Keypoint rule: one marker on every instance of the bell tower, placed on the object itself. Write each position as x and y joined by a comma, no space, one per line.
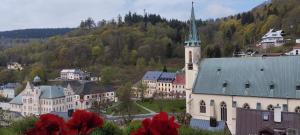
192,58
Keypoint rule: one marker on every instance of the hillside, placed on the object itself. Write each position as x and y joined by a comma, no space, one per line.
34,33
123,49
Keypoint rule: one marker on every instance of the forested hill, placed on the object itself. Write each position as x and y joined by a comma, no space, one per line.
34,33
123,49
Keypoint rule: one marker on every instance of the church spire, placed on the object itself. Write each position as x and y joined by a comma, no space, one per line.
193,36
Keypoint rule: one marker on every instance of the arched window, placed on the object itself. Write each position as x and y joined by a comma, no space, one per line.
297,109
223,108
270,107
246,106
297,52
202,107
190,57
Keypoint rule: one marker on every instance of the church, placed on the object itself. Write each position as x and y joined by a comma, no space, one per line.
251,95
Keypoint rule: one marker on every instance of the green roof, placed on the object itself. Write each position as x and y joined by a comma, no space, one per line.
49,92
193,36
265,76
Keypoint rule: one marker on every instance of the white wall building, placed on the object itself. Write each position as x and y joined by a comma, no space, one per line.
217,87
14,66
272,39
72,74
70,95
295,51
8,90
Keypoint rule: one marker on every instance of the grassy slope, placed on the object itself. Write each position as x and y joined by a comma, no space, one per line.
167,105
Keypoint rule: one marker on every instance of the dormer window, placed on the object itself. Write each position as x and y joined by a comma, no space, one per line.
262,69
225,84
272,86
298,87
247,85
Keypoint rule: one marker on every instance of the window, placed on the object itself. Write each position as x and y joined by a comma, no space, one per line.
298,87
234,104
247,85
223,108
297,52
190,56
246,106
270,108
202,107
272,86
285,108
297,109
224,84
291,131
258,106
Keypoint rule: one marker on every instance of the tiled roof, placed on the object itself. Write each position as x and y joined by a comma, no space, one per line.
50,92
152,75
167,77
17,99
205,124
84,87
180,79
267,77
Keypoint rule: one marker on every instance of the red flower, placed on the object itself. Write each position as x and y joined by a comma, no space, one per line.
159,125
48,124
83,122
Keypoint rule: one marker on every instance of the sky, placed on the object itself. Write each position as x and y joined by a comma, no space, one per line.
24,14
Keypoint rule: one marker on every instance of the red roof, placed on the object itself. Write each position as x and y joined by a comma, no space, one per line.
180,79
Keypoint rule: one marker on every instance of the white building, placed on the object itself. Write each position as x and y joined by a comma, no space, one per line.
166,84
8,90
295,51
72,74
217,87
272,39
36,100
14,66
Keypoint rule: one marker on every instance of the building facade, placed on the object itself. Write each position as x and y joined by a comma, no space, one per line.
216,88
8,90
272,39
163,84
72,74
68,96
14,66
295,51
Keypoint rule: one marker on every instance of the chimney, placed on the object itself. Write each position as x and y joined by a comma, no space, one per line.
277,114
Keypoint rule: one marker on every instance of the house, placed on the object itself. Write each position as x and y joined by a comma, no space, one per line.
64,96
150,80
219,89
295,51
73,74
272,39
87,92
165,84
179,85
8,90
14,66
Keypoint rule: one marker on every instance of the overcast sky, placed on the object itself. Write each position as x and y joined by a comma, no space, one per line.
22,14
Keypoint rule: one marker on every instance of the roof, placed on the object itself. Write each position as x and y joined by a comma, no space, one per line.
70,70
167,77
17,99
205,124
152,75
273,34
259,72
193,36
49,92
180,79
82,87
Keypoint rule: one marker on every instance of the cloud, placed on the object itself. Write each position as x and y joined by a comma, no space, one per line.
20,14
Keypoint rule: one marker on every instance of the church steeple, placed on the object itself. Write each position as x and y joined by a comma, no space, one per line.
193,36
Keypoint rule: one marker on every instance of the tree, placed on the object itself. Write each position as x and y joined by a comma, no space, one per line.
38,70
165,69
126,105
141,89
141,63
